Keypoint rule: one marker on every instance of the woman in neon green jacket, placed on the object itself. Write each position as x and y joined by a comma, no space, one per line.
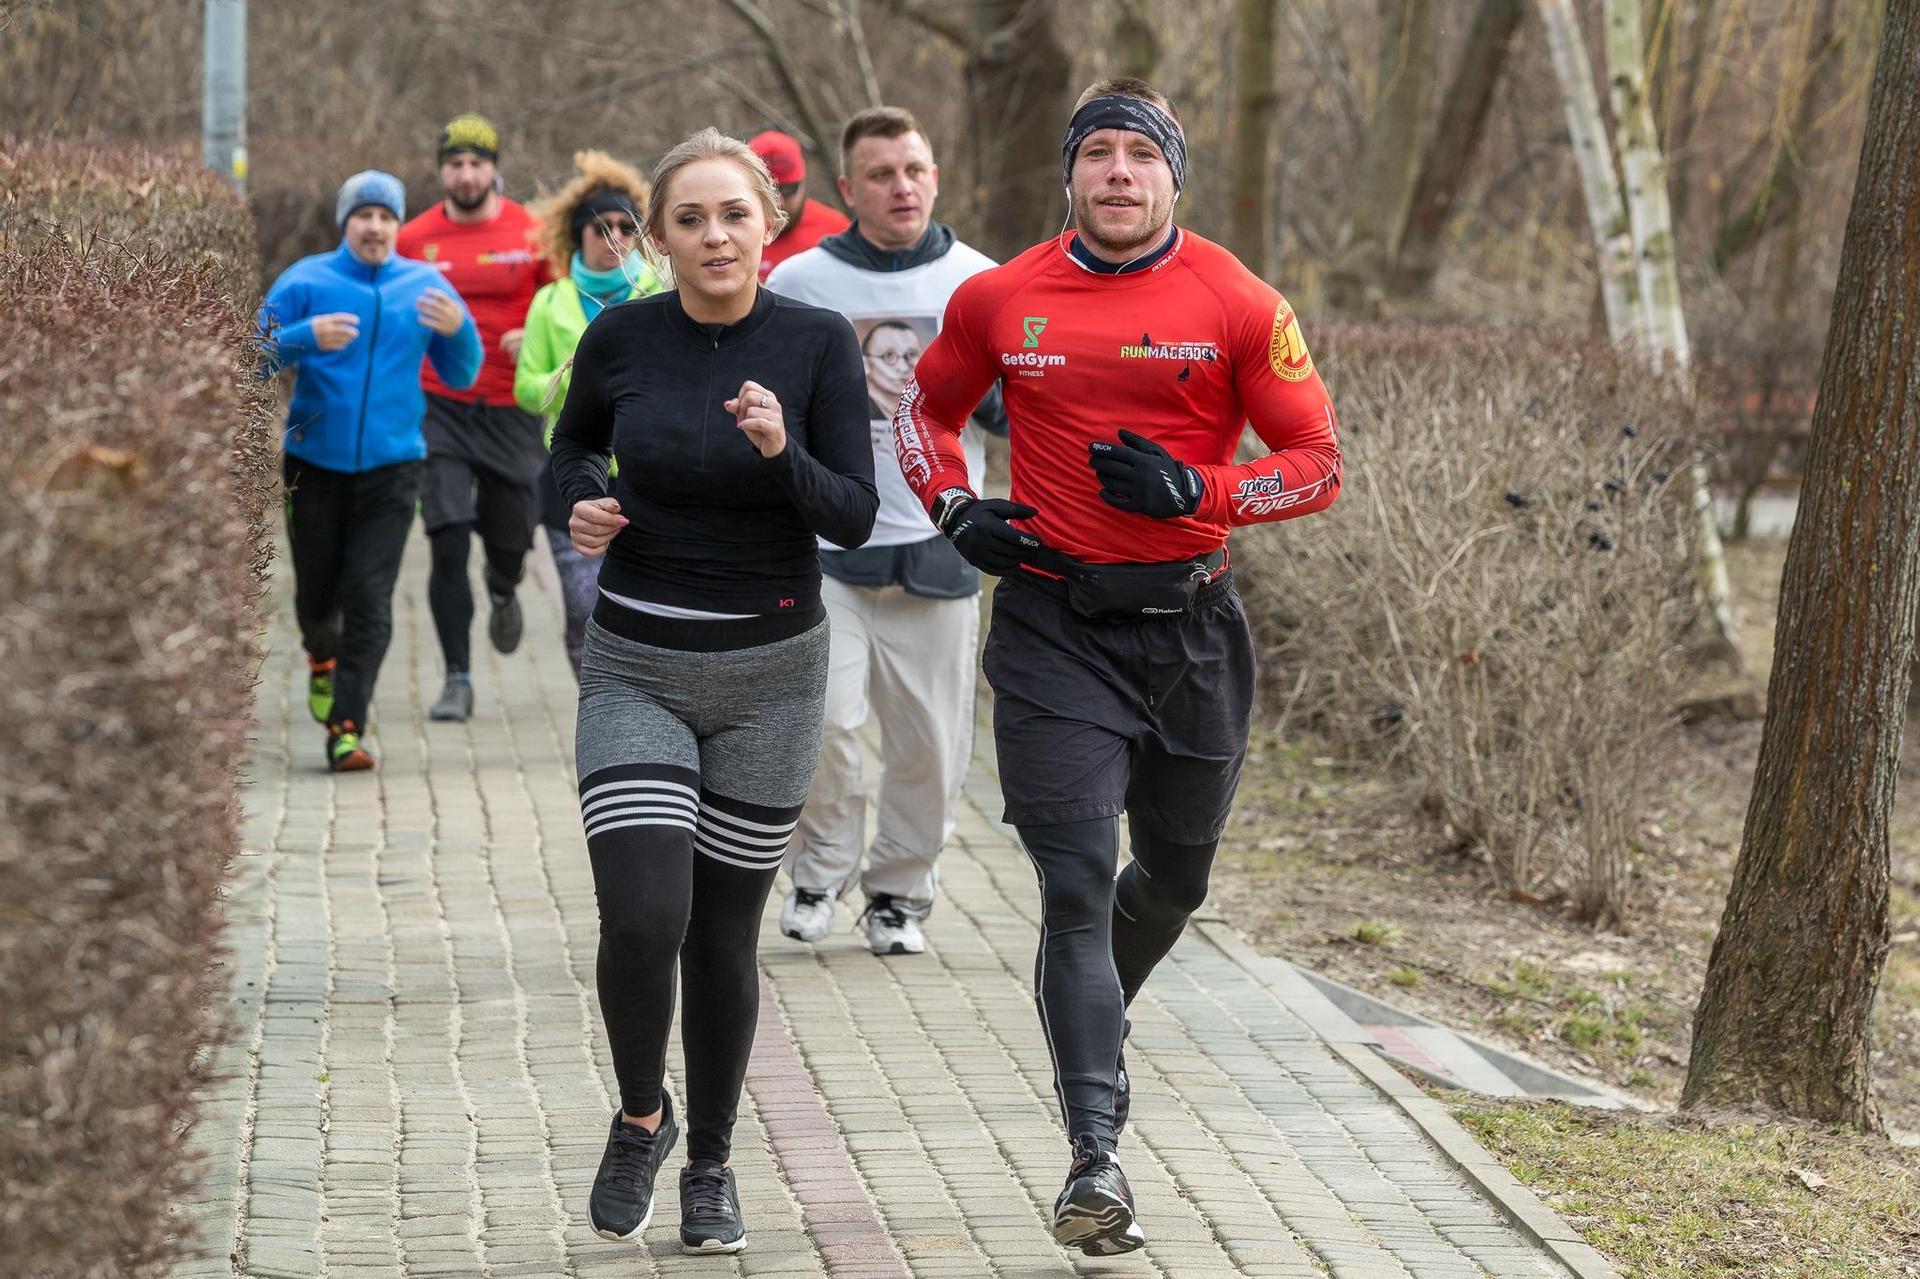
587,232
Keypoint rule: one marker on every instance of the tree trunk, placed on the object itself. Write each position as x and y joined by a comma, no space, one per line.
1463,116
1657,281
1785,1018
1649,218
1378,212
1683,111
1606,210
1019,98
1136,45
1778,199
1251,228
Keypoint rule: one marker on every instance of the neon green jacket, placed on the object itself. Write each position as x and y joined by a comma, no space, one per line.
555,322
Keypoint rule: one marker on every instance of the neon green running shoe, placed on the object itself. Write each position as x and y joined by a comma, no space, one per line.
345,754
320,689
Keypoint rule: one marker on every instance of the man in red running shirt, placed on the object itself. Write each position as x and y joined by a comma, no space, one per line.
1131,354
808,221
483,452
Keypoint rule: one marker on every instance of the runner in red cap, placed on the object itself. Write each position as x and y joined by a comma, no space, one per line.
808,221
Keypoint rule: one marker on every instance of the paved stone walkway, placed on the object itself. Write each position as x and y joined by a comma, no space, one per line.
417,1082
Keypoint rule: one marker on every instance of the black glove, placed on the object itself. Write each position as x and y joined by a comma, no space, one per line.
1138,475
978,529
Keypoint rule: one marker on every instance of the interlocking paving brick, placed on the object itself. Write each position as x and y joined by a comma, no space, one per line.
415,1079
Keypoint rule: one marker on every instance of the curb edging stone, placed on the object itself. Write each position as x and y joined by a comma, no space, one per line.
1519,1205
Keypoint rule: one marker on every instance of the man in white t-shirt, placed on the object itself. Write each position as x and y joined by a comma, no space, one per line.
904,607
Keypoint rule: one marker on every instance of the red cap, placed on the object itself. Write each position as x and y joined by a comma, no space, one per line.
781,154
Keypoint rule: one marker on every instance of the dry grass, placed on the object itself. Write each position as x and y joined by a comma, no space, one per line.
136,477
1666,1199
1318,847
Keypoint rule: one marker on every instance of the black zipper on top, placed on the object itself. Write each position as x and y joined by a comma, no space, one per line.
366,386
706,400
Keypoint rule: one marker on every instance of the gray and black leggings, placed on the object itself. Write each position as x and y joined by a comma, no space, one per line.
693,766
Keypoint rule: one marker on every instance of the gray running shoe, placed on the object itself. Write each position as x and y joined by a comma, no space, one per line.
456,699
504,623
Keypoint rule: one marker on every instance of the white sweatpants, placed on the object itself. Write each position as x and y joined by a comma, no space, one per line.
910,661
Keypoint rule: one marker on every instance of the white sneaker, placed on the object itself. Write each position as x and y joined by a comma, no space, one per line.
807,916
890,930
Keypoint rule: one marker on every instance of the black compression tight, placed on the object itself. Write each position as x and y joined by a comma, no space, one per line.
1099,940
663,903
451,597
1152,899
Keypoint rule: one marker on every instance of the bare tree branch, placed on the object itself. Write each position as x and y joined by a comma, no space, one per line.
931,19
712,63
768,109
776,50
862,55
1331,70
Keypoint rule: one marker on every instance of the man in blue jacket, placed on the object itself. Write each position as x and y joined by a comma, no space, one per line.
356,323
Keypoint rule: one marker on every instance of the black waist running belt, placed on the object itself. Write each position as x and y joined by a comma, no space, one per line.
1115,592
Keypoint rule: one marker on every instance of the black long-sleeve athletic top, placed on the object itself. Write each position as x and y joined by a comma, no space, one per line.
711,524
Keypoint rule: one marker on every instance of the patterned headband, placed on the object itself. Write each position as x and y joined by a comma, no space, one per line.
1136,115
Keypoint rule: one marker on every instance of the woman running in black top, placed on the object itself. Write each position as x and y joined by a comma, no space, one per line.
740,423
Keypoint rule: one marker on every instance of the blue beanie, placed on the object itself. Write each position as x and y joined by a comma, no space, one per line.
370,186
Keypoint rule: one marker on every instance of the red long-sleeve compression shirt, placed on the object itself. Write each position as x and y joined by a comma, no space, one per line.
1186,353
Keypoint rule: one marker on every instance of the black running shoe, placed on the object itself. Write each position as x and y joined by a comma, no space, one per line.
1122,1086
710,1209
621,1204
1094,1212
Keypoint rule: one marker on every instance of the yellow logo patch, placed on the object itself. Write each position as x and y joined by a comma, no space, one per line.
1286,349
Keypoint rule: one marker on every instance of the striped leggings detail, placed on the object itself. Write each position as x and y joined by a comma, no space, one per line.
681,875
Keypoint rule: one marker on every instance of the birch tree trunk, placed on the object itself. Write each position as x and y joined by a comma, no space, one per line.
1649,217
1633,235
1606,209
1657,276
1786,1015
1251,229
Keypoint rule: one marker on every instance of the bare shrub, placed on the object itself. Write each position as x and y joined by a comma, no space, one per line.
1498,602
136,478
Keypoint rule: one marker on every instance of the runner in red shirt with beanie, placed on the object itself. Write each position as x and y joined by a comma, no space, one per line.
1131,353
483,451
808,221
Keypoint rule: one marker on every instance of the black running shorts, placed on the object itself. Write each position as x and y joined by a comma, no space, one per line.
1091,718
483,461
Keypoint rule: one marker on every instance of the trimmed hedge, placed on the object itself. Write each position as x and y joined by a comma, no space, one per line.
137,476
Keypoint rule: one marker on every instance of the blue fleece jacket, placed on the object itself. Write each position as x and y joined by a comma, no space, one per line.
360,407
